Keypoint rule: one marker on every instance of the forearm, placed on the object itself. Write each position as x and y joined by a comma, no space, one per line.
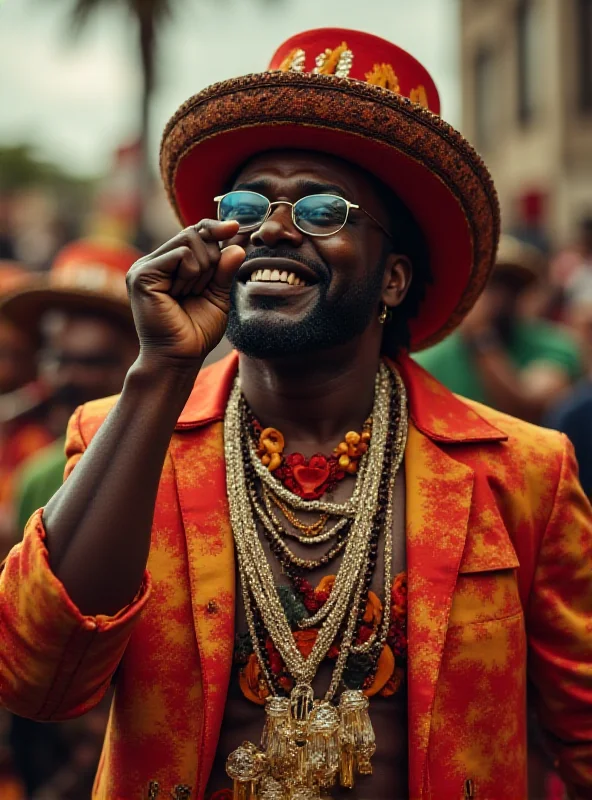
503,386
523,393
98,525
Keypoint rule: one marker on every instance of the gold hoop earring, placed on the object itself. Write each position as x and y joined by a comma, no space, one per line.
385,314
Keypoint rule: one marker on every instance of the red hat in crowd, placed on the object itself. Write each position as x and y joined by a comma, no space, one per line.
13,276
87,275
359,97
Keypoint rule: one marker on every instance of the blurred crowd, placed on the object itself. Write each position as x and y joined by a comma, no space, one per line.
67,337
526,346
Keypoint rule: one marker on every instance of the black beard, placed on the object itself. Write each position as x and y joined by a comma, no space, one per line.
328,324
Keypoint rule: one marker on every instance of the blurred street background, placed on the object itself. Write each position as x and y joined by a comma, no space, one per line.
86,87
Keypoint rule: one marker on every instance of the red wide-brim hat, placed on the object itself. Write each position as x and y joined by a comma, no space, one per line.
361,98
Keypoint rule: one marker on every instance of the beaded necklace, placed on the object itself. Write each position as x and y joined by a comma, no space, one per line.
310,742
309,479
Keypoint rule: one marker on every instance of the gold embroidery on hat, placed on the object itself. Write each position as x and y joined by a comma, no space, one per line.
383,75
334,62
294,61
420,96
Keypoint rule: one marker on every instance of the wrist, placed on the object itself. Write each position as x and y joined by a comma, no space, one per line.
151,374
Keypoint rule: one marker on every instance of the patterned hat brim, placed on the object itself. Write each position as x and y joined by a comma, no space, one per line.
425,161
26,308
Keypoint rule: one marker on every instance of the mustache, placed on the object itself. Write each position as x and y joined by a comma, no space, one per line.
320,269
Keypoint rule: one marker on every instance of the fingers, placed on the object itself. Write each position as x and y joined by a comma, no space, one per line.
156,273
211,230
231,259
185,264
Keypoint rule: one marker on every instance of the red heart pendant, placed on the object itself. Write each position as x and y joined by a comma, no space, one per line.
310,478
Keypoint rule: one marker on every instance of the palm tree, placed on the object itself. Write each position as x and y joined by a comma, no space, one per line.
148,16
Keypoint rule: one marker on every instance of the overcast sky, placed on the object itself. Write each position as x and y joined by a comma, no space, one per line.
77,100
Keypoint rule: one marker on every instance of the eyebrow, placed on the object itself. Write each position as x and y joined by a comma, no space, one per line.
304,187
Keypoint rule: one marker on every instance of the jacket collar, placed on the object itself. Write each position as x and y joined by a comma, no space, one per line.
435,411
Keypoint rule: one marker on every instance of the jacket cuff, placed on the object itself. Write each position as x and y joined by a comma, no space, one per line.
55,662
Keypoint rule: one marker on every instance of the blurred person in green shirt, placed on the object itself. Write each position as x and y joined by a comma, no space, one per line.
500,355
39,480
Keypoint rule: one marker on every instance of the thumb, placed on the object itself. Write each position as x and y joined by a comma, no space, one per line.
231,258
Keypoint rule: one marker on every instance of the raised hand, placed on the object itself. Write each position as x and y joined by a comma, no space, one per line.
180,293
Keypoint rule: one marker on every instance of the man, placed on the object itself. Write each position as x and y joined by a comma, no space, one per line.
501,356
572,265
573,415
22,427
355,581
88,344
80,317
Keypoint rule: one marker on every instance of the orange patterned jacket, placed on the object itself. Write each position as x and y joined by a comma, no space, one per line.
499,545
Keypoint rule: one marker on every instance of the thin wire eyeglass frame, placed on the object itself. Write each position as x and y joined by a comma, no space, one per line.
348,205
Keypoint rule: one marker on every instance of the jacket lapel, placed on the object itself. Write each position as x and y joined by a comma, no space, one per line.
197,452
438,502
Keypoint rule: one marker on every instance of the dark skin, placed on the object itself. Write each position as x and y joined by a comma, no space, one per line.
180,298
525,393
83,358
17,357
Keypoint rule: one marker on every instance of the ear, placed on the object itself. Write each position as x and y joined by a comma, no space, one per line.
398,273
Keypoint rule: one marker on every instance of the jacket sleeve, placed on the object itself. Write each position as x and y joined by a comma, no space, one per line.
55,663
559,627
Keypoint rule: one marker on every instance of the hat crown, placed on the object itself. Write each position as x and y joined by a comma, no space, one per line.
358,56
95,266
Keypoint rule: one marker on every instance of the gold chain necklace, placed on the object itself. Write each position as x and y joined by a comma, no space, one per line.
312,532
307,742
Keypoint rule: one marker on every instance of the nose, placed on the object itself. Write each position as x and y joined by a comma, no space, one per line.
278,228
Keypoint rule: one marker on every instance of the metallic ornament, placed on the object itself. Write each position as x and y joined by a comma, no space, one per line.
307,746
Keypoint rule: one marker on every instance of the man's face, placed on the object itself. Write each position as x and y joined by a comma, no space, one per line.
341,276
17,358
85,358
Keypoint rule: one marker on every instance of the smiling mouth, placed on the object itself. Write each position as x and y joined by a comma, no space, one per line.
276,276
276,273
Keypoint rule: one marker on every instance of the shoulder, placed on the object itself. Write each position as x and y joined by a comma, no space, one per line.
547,331
549,340
529,463
533,476
521,435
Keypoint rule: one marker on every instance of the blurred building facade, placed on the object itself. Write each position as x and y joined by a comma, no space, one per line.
527,89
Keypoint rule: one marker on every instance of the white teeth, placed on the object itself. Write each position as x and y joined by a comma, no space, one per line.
277,277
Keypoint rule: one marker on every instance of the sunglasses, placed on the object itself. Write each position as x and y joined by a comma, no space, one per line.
315,214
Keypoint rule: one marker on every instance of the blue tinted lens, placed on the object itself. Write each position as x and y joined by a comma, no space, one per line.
320,213
246,208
